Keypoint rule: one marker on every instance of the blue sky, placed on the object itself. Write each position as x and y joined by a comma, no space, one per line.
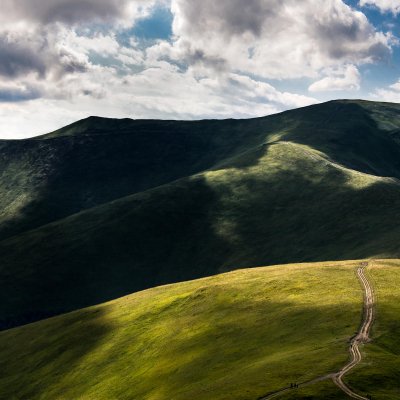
184,59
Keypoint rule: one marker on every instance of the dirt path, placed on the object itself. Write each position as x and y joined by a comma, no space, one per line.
355,354
300,385
361,337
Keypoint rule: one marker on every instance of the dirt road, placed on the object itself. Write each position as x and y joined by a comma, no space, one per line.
361,337
355,354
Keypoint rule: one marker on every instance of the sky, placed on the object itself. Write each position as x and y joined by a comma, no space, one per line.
64,60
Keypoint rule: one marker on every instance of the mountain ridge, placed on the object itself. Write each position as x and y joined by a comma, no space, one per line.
314,184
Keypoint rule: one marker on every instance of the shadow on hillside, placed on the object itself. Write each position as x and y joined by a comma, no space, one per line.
161,236
195,228
57,177
301,214
349,135
208,346
38,357
110,159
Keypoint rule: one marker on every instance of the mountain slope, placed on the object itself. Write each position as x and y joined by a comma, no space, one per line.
239,335
318,183
97,160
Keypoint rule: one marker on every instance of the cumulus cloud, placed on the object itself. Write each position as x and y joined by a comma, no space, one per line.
383,5
37,53
38,37
275,39
347,78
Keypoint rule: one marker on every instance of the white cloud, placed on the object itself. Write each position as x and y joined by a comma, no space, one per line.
275,39
383,5
347,78
390,94
154,93
57,66
38,36
396,86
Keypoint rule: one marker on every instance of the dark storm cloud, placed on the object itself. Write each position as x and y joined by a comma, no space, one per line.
66,11
21,55
17,59
236,16
338,36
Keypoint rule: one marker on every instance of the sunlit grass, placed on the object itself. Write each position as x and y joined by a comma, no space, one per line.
238,336
379,374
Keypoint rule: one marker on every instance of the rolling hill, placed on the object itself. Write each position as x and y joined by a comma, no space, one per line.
104,208
239,335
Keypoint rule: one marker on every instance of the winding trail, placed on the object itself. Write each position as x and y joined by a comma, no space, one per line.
355,354
361,337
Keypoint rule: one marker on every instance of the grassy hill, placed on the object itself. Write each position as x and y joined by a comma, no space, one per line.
238,335
103,208
98,160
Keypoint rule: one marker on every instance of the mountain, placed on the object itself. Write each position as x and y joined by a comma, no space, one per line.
239,335
104,208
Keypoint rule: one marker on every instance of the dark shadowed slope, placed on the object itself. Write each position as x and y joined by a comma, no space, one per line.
97,160
318,183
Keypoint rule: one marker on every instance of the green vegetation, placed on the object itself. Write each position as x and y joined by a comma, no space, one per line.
325,390
239,335
104,208
379,374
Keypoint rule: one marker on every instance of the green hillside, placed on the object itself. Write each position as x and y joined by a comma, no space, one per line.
97,160
104,208
234,336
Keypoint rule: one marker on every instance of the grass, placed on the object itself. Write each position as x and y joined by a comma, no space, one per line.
104,208
379,374
233,336
281,208
325,390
